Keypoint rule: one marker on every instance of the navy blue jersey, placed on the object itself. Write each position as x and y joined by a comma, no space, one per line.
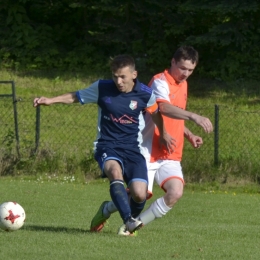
120,115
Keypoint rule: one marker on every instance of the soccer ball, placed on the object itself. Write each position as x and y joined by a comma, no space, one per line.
12,216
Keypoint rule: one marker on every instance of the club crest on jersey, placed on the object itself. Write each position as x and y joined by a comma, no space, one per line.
133,104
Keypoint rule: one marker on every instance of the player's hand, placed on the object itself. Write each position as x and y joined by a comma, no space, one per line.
204,122
167,141
41,101
196,141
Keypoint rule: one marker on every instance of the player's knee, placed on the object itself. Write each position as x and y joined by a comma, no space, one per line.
114,174
172,196
178,194
139,196
138,191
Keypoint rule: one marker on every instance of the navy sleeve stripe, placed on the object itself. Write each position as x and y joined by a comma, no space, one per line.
79,98
146,88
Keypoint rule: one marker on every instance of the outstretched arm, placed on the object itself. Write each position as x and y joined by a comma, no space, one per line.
67,98
177,113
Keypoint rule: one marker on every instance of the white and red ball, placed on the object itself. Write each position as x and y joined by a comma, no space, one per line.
12,216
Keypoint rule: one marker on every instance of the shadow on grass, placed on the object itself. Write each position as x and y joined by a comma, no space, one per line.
55,229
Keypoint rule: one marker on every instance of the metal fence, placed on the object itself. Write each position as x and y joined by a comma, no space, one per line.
69,130
234,145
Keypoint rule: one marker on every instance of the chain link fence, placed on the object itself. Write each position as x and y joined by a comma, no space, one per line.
48,138
232,148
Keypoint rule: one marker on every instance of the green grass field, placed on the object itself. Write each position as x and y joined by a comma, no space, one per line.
206,223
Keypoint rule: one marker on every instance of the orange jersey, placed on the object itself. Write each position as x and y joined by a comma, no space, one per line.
166,90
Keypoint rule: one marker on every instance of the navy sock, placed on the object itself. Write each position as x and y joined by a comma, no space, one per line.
136,207
120,199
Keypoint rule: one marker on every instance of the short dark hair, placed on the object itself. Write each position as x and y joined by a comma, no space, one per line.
186,53
122,61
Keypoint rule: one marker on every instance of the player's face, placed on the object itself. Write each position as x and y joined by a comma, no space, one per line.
182,69
124,79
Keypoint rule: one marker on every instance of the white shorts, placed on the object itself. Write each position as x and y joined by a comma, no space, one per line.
162,171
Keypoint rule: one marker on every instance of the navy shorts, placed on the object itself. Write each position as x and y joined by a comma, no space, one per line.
133,163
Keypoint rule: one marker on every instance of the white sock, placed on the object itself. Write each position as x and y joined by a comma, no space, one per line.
109,209
156,210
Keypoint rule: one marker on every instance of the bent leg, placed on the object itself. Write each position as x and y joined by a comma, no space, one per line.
138,191
164,204
118,194
174,191
169,177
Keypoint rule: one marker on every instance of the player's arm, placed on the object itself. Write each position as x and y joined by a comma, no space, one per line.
165,138
195,140
67,98
177,113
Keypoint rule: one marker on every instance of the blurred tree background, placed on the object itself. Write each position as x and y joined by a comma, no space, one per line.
82,35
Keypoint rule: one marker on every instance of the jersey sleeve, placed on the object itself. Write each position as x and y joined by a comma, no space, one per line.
152,106
161,90
89,94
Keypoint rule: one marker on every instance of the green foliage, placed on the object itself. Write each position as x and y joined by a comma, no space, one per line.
52,163
8,158
226,33
72,35
8,140
38,34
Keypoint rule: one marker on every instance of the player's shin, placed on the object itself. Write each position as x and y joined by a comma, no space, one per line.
136,207
120,199
109,208
156,210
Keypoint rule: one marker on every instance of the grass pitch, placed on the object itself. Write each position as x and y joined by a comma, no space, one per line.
205,224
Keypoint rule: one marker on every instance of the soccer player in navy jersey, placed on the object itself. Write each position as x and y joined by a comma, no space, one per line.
122,103
170,88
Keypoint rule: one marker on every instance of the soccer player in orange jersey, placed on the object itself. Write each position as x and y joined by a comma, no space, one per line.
170,88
